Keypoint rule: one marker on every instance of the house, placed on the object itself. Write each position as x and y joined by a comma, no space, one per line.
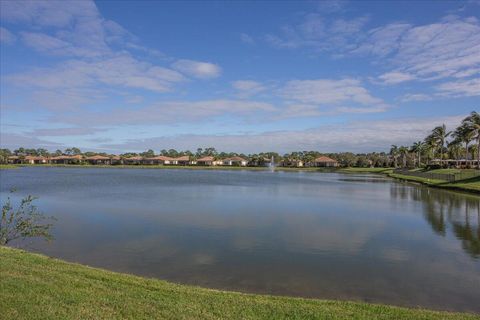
260,162
98,159
234,161
116,160
206,161
295,163
324,161
13,159
158,160
182,161
35,160
66,159
133,160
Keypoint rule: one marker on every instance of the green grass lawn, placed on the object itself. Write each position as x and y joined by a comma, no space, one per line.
470,185
8,166
34,286
452,171
365,170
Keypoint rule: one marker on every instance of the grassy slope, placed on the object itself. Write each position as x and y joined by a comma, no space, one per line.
470,185
34,286
8,166
366,170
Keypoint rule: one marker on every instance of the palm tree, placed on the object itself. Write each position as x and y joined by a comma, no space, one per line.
430,145
417,148
472,123
403,151
394,154
465,135
455,147
440,135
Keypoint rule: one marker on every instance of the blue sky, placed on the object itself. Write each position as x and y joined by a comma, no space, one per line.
237,75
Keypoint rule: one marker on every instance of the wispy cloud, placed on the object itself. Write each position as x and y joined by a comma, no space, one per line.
395,77
416,97
13,141
61,132
450,47
245,38
6,36
460,88
198,69
247,88
172,112
329,92
320,32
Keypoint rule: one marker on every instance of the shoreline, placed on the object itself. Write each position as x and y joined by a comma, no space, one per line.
470,186
34,284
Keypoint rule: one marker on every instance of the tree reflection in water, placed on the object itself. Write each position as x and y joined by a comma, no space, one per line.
446,210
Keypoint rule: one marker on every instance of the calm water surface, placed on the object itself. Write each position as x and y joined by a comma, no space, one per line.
356,237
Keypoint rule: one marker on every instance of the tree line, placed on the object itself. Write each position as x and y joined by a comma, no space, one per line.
461,143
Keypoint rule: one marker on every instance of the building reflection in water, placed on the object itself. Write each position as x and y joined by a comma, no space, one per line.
447,211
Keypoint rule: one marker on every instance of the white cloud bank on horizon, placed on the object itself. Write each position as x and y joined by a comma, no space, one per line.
353,136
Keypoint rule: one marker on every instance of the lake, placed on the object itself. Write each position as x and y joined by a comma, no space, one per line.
323,235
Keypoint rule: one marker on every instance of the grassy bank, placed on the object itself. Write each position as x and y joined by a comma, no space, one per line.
365,170
34,286
471,185
8,166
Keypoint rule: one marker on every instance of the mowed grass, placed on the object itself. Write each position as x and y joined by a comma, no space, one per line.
365,170
33,286
470,185
8,166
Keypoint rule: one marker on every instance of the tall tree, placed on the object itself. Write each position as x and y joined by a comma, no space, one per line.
394,154
472,124
440,134
417,148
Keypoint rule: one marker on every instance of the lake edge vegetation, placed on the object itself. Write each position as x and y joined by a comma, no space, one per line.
35,286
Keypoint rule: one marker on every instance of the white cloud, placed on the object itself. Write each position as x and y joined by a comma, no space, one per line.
460,88
54,13
432,51
62,132
120,70
245,38
247,88
353,136
320,32
416,97
329,92
395,77
14,140
197,69
6,36
171,112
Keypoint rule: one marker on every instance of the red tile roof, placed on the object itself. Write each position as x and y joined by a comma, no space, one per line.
182,158
205,159
324,159
35,158
98,157
234,159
